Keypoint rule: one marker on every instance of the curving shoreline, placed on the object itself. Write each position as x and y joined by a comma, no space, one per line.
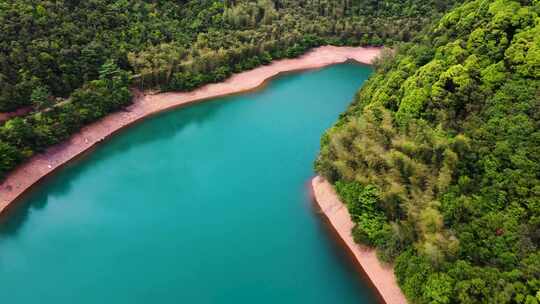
41,165
381,276
30,173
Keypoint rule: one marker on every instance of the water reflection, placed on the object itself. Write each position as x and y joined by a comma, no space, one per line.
147,132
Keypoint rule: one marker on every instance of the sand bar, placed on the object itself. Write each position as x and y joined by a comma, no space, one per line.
381,276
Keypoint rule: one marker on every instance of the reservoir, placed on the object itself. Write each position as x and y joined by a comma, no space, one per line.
203,204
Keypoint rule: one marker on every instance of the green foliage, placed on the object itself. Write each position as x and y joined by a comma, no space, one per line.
371,221
447,130
70,60
412,273
439,288
362,203
62,44
10,156
41,98
20,137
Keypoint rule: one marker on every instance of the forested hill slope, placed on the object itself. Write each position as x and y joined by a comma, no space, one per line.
73,61
57,46
438,158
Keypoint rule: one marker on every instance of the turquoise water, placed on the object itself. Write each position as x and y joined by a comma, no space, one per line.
205,204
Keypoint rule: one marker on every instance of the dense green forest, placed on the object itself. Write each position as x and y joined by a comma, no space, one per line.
438,157
72,62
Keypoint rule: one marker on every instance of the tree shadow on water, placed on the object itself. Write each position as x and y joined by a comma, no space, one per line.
160,127
16,215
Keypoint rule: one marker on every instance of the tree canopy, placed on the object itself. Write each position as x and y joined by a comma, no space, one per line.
445,139
72,62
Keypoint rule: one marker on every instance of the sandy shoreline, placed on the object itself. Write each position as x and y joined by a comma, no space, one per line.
381,276
41,165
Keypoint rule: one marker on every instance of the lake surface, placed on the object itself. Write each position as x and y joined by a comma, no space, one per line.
204,204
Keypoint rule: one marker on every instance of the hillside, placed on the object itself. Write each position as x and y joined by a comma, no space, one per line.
438,157
73,62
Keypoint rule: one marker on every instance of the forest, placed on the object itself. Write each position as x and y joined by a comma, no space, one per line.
438,157
72,62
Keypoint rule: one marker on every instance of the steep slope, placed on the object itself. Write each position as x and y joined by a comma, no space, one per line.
438,157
